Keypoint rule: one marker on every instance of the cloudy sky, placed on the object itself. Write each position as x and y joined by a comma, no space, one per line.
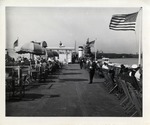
69,24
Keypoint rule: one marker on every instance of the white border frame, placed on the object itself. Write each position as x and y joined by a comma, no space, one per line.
78,120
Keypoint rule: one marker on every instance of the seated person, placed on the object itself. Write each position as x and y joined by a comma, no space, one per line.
105,66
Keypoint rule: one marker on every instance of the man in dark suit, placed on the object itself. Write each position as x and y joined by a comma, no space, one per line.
91,67
81,62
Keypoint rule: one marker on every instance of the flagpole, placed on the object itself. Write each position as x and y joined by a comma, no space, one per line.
95,49
141,38
75,46
140,35
18,41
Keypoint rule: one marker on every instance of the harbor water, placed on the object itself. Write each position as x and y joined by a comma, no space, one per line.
125,61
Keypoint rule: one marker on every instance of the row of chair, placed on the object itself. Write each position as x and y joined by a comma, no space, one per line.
19,77
130,98
14,82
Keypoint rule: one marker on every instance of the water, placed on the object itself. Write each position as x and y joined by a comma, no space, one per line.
126,61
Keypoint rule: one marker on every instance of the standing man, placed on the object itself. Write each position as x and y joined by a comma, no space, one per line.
81,62
91,67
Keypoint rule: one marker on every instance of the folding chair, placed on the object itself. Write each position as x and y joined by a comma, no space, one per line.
129,105
111,86
136,99
120,92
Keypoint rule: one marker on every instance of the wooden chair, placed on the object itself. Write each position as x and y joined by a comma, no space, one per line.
120,93
111,86
136,98
128,103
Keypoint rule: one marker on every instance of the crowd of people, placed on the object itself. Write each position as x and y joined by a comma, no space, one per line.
44,67
131,74
38,68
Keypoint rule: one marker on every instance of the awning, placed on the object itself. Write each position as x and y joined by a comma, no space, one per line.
31,47
55,53
49,53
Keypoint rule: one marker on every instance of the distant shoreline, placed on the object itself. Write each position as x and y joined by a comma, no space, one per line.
115,55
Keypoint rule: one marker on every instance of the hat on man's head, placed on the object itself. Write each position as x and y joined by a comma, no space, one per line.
111,64
134,66
49,59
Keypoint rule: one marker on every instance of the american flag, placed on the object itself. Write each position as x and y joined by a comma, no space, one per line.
16,43
123,22
91,44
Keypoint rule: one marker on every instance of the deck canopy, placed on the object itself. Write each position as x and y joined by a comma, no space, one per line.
31,47
55,53
49,53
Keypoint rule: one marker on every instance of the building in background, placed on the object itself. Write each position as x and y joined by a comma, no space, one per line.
80,51
65,53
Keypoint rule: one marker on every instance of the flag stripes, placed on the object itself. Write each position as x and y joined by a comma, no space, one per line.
122,29
91,44
123,22
16,43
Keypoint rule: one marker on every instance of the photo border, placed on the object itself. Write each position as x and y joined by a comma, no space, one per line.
79,120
